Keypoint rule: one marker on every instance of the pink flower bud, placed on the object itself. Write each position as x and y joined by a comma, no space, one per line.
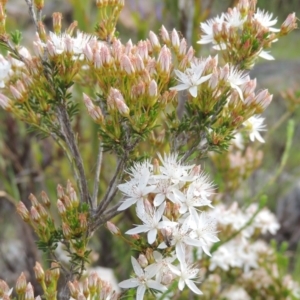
164,34
289,24
182,47
39,272
105,55
88,102
87,51
122,107
51,48
112,228
224,72
128,47
154,40
175,39
60,191
142,49
16,94
73,197
38,49
117,50
34,214
61,207
23,211
29,294
138,63
45,199
263,98
97,60
21,284
153,88
164,60
69,44
5,102
126,64
142,260
66,230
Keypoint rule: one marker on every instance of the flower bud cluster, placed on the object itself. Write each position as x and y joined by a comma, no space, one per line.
74,218
237,165
244,33
168,199
93,287
39,216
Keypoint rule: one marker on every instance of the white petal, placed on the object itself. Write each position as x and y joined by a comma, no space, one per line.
266,55
127,203
152,236
138,229
158,200
193,287
181,284
193,91
140,292
129,283
156,285
136,267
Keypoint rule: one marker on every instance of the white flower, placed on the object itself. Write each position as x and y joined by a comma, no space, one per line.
253,125
5,67
136,190
236,78
80,41
197,194
186,273
151,222
161,265
172,169
191,78
207,29
204,229
143,281
180,237
165,189
234,18
265,19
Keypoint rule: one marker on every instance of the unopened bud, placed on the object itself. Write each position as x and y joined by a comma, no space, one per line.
35,216
33,200
73,197
60,191
164,60
289,24
153,88
154,41
126,64
164,35
113,228
142,260
42,31
29,294
5,102
73,291
85,288
156,169
82,221
93,282
16,94
56,18
23,211
61,207
21,284
175,39
55,271
39,272
39,4
45,199
66,230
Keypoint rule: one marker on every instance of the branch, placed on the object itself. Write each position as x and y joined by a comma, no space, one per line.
69,136
32,13
111,191
97,176
107,215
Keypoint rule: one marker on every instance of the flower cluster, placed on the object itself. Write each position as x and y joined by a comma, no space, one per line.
243,33
171,200
241,252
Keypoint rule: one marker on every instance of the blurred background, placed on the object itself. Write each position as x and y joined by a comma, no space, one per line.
30,165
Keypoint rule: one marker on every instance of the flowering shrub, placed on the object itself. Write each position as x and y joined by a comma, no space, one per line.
132,93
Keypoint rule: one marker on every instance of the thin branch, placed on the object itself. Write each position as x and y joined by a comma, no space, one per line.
107,215
32,13
70,140
108,198
97,176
